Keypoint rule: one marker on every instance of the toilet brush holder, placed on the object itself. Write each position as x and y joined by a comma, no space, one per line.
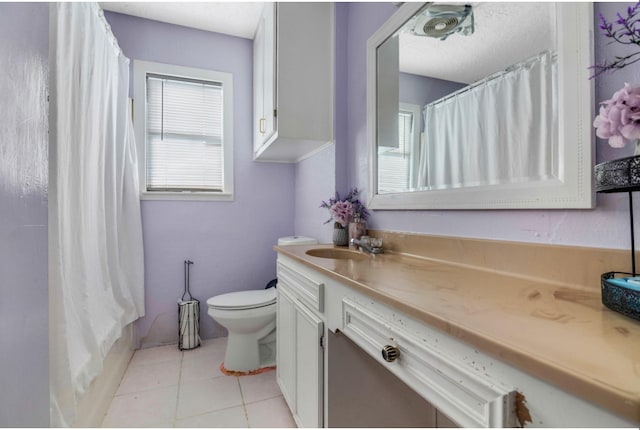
188,316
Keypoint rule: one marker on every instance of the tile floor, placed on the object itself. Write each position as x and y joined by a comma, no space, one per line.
166,387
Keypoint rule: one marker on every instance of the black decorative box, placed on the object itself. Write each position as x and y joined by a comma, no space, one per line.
619,298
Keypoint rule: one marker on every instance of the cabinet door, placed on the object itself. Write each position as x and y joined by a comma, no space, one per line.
285,344
270,90
264,45
258,83
310,368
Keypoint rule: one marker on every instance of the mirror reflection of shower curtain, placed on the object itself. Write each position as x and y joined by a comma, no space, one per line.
96,262
500,130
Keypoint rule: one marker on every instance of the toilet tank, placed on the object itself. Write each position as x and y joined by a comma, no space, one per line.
296,240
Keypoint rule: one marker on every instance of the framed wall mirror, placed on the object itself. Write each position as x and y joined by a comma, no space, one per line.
481,106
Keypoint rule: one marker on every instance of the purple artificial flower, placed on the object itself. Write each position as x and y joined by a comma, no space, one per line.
343,211
626,33
619,118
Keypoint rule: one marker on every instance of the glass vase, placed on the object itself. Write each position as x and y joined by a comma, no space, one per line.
357,229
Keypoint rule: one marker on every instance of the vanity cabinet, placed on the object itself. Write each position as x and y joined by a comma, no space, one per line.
458,384
300,356
309,301
293,81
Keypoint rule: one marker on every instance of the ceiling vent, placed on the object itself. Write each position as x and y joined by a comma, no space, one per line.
441,21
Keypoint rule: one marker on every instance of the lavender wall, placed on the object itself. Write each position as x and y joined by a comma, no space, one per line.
230,242
606,226
362,20
340,125
320,176
421,90
315,182
24,308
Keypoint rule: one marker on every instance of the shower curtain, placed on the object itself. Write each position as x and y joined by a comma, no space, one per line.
500,130
95,247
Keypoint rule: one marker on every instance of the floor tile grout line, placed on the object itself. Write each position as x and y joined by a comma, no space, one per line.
244,405
262,400
163,360
136,366
178,391
117,388
209,412
144,390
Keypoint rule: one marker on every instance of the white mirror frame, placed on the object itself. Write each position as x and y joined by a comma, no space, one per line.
574,189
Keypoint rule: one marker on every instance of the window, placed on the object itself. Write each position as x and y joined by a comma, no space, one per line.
398,166
183,120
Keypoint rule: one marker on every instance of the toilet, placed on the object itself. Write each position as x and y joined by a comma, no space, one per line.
250,319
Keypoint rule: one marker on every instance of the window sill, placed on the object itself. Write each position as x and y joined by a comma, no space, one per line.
187,195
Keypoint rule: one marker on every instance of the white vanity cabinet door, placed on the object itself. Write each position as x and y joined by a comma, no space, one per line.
300,357
309,369
286,346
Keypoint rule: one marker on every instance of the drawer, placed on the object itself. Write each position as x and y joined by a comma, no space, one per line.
306,289
452,387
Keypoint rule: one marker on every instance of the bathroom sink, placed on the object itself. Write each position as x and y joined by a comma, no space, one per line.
336,254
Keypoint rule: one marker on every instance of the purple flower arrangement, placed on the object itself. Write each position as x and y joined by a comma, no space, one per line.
347,209
618,120
619,117
626,32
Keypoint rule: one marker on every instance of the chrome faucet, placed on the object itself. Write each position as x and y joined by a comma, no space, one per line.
367,245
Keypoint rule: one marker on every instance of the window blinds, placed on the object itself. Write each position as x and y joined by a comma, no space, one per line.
394,163
184,135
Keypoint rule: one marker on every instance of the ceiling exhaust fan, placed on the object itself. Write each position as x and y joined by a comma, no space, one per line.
441,21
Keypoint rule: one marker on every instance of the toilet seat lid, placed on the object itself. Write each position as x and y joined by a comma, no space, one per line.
243,299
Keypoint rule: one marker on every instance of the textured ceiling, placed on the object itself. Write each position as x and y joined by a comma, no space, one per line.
505,33
234,18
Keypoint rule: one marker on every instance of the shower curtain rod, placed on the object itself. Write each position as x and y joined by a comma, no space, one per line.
554,57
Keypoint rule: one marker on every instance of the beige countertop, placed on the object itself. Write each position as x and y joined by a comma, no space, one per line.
558,333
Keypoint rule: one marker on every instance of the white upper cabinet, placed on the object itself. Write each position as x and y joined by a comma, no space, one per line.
264,77
293,81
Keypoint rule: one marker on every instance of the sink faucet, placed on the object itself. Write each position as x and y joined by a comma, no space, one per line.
366,246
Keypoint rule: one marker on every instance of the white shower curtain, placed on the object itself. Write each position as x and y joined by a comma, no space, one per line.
96,256
501,130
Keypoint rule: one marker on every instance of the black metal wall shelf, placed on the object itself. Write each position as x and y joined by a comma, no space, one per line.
620,176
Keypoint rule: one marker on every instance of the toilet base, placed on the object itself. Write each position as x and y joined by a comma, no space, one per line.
247,352
251,342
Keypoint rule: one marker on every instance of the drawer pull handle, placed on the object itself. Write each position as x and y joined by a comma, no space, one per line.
390,353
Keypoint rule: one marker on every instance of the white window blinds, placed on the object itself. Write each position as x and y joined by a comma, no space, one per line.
184,135
394,164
